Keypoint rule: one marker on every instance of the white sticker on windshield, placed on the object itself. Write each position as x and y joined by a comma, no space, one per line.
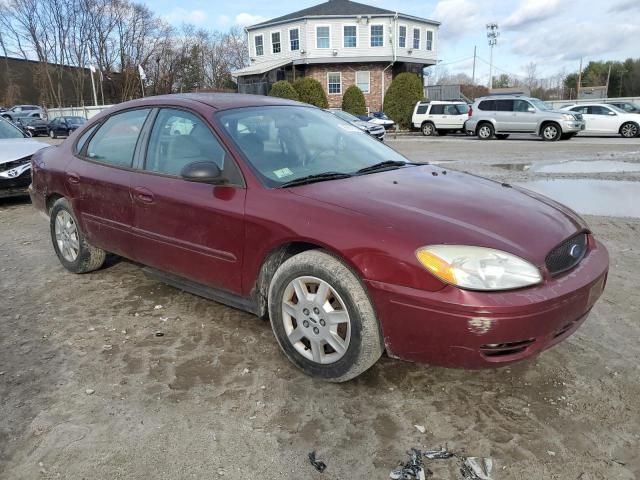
348,128
283,172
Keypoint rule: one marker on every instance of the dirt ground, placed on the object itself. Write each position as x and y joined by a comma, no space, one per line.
88,390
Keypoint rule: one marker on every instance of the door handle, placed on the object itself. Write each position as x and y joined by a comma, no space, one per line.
142,195
73,178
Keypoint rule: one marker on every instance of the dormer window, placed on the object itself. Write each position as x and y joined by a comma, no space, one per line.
323,37
377,35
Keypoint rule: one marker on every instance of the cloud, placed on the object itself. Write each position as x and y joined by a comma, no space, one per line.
533,12
246,19
223,20
458,17
181,15
625,6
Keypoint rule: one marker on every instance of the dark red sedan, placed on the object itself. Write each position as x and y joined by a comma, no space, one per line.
288,212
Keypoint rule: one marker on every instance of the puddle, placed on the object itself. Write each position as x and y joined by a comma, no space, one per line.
596,166
592,197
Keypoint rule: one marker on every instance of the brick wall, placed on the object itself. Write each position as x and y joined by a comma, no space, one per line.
348,71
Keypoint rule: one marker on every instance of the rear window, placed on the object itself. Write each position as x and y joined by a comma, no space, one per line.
422,109
462,109
487,105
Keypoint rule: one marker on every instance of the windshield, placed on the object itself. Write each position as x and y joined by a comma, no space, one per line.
9,131
616,109
283,143
539,104
75,119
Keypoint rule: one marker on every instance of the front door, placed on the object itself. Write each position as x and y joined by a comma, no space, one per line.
194,230
525,118
604,119
97,181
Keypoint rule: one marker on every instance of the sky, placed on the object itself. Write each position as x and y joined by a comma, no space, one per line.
553,34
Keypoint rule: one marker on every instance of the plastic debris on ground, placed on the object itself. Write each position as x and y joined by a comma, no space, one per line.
471,468
318,465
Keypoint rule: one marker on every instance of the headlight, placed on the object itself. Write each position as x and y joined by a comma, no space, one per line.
478,268
567,116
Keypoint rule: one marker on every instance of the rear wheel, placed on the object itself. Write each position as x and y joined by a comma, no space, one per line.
629,130
551,132
428,129
485,131
502,136
322,317
72,249
52,134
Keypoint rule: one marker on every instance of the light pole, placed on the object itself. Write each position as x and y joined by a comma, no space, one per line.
492,37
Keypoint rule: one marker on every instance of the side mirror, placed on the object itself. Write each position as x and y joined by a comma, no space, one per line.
202,172
613,114
531,110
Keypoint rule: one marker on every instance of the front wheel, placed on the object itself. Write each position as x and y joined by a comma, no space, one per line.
322,317
629,130
52,134
74,252
551,132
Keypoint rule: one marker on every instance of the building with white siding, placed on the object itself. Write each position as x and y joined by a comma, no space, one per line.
339,43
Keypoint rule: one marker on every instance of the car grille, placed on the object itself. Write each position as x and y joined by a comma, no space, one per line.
505,349
14,163
567,255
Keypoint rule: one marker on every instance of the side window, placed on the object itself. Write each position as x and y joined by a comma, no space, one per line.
504,105
487,105
437,110
521,106
422,109
599,110
179,138
450,110
115,141
580,109
83,139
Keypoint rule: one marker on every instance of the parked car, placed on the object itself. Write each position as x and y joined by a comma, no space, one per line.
21,111
282,210
34,126
626,106
380,118
499,116
16,150
64,126
440,117
376,131
607,119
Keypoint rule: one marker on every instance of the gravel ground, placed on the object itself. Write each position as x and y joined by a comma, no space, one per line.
89,391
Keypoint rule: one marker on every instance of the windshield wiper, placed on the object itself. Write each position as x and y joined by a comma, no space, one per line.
320,177
387,164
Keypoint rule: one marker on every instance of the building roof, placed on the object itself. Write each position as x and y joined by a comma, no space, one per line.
335,8
261,67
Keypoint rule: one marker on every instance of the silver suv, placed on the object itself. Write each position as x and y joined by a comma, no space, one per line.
499,116
24,111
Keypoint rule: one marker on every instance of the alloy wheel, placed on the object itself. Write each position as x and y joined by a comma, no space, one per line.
316,320
629,130
484,132
550,132
67,236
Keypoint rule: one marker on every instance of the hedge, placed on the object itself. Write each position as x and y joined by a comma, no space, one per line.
284,89
311,91
353,101
401,98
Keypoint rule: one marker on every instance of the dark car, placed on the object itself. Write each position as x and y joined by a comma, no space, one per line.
34,126
63,126
280,209
376,131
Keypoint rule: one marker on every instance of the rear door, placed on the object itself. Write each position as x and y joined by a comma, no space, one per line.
505,118
194,230
437,116
98,180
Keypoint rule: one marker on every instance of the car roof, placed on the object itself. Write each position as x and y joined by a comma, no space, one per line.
218,101
440,102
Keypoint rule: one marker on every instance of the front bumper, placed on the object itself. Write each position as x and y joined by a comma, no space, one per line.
461,328
571,126
14,181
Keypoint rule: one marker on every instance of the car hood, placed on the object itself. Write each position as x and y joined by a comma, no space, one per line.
366,125
15,148
434,207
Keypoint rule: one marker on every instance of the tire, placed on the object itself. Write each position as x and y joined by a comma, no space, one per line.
629,130
551,132
52,135
502,136
358,333
87,258
428,129
485,131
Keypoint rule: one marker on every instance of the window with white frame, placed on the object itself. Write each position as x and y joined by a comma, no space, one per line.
276,46
259,44
416,39
294,39
363,81
350,36
429,40
323,37
377,35
334,83
402,36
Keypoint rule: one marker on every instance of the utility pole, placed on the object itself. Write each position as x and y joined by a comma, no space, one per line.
92,70
473,76
492,37
579,79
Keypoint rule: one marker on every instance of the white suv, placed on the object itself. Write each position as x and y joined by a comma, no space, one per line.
440,117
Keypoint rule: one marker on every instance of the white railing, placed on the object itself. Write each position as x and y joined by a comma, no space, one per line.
86,112
561,103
